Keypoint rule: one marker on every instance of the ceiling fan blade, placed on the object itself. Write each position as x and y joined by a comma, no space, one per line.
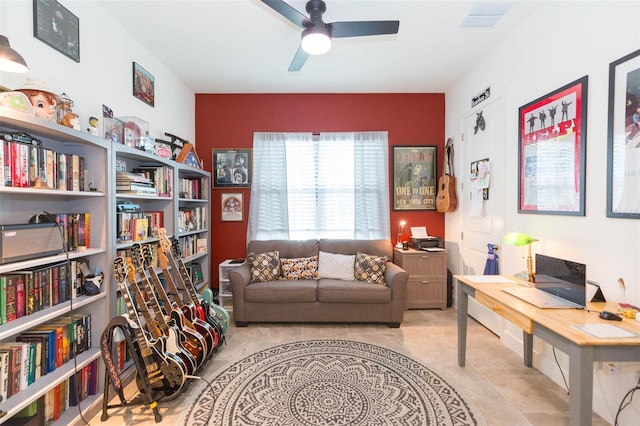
363,28
288,12
299,59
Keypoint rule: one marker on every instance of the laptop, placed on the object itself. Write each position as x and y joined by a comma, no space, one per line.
559,284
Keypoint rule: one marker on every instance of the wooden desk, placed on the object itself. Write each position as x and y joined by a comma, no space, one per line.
555,327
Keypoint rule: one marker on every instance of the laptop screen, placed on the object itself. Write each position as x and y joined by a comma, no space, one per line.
562,278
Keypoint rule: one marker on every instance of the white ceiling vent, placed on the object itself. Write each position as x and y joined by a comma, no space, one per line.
485,15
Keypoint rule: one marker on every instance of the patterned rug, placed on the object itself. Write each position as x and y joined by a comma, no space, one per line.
328,382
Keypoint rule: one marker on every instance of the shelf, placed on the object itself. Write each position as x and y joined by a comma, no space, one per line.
30,192
25,264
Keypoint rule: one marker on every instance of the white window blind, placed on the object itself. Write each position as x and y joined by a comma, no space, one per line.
333,187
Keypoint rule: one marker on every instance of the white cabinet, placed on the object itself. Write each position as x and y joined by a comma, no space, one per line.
225,294
17,206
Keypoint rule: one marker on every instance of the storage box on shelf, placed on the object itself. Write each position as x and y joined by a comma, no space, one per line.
41,289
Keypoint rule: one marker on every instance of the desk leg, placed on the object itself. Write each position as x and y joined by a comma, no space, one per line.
580,385
463,302
527,340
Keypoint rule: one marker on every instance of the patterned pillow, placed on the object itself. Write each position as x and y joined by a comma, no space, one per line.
264,266
370,268
300,268
336,266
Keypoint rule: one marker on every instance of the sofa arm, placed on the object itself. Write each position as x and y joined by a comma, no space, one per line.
239,278
396,278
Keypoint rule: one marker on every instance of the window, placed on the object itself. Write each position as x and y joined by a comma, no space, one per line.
335,186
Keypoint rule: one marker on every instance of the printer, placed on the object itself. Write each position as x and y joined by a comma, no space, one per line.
426,242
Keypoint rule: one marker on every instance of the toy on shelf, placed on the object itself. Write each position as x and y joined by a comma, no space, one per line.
44,101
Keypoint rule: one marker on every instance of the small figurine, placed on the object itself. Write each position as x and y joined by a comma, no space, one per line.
71,120
93,126
43,100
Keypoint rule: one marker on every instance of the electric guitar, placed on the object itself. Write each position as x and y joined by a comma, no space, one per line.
162,373
190,339
157,325
446,200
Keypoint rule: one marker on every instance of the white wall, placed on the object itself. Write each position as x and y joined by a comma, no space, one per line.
561,42
104,73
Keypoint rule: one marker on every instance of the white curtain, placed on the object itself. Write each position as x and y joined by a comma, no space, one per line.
334,187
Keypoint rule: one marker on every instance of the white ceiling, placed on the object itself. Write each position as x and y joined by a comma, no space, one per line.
244,46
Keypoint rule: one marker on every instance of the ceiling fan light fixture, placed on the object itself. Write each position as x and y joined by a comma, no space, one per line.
316,41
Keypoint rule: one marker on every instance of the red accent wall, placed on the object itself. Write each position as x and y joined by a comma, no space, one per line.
229,120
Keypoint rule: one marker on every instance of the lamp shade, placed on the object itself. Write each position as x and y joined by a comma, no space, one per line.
316,40
518,239
10,60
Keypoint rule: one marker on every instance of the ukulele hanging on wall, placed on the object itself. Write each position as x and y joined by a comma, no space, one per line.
446,200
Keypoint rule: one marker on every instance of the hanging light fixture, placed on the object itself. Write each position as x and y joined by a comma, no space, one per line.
10,60
316,40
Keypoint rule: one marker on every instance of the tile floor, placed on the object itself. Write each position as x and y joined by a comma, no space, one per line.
495,379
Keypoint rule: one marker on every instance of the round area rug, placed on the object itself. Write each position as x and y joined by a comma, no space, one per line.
328,382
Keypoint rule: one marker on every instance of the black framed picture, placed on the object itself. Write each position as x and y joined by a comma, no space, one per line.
231,168
143,85
623,148
56,26
414,177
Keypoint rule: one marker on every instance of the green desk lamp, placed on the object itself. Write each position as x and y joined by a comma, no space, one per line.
520,239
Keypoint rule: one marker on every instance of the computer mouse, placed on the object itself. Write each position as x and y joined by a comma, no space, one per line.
609,316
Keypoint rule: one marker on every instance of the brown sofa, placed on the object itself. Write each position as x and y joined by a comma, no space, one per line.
323,299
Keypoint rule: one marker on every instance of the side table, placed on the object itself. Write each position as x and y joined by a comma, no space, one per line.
225,293
427,285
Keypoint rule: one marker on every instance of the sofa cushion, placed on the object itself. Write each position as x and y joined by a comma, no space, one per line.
338,266
264,266
282,291
341,291
299,268
370,268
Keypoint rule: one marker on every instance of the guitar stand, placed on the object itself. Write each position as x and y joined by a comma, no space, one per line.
147,395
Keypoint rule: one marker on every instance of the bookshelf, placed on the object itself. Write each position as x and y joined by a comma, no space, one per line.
17,206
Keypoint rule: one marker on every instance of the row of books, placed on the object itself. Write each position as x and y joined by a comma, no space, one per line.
69,393
161,176
77,230
28,291
192,244
191,188
138,226
134,183
24,165
192,218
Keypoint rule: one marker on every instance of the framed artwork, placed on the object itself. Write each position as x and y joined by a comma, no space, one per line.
414,178
143,85
623,145
231,208
232,168
56,26
552,134
189,156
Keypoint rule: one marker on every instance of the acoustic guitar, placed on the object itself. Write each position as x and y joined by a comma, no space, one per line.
446,200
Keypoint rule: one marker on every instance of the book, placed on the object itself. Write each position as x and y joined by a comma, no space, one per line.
4,375
141,229
62,171
11,297
3,299
15,364
75,172
42,342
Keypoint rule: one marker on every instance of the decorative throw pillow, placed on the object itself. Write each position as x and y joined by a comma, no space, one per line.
300,268
336,266
264,266
370,268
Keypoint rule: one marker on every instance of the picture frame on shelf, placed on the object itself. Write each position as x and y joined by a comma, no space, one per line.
56,26
623,137
189,156
143,85
552,135
231,207
232,168
414,178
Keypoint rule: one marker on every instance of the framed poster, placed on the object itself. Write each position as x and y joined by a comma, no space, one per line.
231,168
54,25
414,178
143,85
552,134
231,209
623,146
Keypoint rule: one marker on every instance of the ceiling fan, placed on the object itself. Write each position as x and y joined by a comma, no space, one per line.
316,37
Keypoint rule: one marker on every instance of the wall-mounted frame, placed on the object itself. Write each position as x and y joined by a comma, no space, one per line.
189,156
143,85
231,207
232,168
623,147
414,178
55,25
552,134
